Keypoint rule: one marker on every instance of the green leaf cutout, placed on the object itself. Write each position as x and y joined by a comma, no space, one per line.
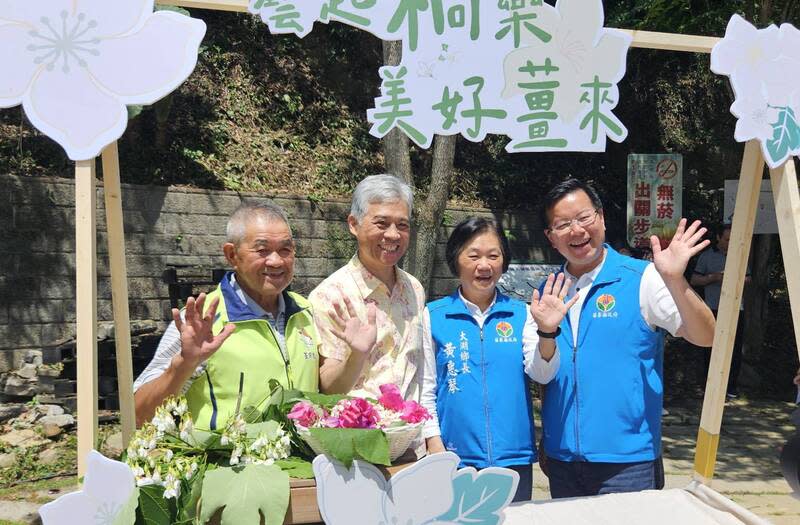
479,500
347,444
127,514
785,136
269,428
243,492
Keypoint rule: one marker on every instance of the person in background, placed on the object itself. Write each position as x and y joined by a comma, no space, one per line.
708,273
481,349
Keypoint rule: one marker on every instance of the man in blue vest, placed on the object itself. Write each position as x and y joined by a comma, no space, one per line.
602,411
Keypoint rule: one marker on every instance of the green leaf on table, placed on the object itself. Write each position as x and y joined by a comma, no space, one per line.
127,514
243,492
190,494
347,444
153,508
297,468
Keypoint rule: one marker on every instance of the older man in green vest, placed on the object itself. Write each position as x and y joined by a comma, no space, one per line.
224,347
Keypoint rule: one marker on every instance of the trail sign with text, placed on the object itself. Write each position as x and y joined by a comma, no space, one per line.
655,183
544,76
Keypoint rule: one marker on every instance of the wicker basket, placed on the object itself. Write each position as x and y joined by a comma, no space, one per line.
399,438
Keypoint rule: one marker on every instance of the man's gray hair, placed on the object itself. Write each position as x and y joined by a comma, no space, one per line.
377,189
249,211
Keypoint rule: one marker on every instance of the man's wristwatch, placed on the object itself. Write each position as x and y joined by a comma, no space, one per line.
549,335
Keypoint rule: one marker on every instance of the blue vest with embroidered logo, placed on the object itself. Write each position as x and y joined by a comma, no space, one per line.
604,404
482,393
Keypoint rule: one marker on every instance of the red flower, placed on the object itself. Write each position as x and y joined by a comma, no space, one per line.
413,412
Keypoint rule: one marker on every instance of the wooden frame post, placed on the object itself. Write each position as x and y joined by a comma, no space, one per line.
787,210
744,217
86,307
119,289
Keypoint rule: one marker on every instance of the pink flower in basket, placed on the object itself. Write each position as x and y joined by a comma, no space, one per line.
304,413
391,398
358,413
413,412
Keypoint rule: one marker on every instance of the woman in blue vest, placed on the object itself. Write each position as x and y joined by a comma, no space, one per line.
481,348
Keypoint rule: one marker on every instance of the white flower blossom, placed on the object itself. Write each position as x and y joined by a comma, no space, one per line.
75,64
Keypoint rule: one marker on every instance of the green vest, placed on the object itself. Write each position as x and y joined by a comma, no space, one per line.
252,356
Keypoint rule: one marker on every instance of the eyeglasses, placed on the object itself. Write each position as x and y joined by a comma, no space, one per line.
584,220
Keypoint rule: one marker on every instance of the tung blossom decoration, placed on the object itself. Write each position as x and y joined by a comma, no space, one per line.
763,66
109,496
74,65
430,492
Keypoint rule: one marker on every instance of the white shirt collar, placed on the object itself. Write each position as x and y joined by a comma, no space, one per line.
474,309
587,278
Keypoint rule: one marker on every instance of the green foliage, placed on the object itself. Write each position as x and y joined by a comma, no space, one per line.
243,493
153,509
297,468
347,444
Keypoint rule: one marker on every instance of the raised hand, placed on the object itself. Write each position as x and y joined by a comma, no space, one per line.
198,343
349,328
686,243
549,308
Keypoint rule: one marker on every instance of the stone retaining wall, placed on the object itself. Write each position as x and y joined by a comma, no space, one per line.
165,227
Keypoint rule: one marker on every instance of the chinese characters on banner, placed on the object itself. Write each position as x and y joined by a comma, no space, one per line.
544,76
655,184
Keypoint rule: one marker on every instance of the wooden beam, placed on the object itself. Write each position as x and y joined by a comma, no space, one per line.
119,289
671,41
216,5
86,307
642,39
744,217
787,209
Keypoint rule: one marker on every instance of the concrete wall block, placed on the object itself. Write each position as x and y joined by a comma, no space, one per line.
210,245
442,287
20,288
148,309
185,223
26,312
41,192
24,241
20,336
11,359
3,312
58,288
312,229
44,265
53,332
316,267
51,219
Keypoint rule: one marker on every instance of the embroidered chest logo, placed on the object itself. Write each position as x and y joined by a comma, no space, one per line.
505,333
605,304
453,370
308,341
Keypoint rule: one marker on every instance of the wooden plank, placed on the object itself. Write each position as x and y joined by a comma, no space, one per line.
744,217
642,39
112,193
787,209
86,308
303,506
217,5
671,41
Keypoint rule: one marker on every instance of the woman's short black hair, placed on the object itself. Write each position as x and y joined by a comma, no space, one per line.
468,229
564,188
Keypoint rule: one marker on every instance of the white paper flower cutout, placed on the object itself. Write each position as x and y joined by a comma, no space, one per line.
764,70
109,496
414,496
75,64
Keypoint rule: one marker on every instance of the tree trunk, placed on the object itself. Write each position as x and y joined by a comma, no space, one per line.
396,152
430,212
